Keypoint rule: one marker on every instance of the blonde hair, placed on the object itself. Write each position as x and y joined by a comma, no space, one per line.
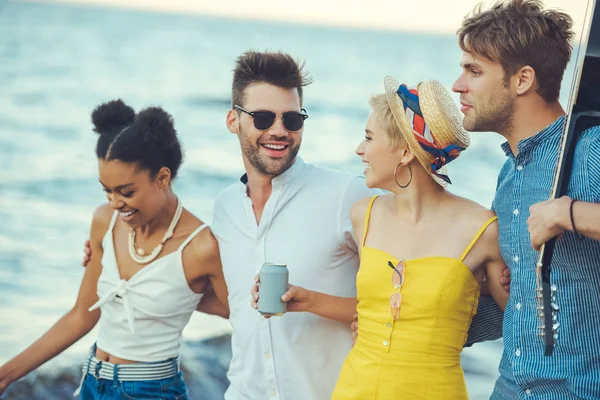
384,116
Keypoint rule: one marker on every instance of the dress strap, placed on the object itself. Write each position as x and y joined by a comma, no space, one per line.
367,217
192,235
113,221
477,236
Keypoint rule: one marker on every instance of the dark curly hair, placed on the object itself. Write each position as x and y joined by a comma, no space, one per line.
147,139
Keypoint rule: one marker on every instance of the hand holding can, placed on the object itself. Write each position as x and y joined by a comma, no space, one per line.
274,281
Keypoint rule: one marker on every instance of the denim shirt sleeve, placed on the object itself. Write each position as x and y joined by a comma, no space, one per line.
592,159
500,177
487,323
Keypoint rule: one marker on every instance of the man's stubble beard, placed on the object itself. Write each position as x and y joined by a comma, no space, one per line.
263,164
496,117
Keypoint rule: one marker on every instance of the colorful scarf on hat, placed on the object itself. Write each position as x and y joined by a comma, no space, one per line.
410,101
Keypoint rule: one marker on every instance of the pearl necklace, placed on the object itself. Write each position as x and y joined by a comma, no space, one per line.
138,255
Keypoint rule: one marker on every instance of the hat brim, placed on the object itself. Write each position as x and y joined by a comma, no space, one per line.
391,86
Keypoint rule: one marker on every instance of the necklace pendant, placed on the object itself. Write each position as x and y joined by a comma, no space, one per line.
139,255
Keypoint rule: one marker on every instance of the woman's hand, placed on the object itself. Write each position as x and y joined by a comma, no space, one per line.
354,328
4,382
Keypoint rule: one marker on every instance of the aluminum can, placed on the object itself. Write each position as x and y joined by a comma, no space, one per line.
273,284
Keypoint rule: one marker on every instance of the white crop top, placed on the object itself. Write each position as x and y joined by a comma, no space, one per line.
142,318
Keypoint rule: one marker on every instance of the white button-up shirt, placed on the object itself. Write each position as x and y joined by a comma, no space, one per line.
305,225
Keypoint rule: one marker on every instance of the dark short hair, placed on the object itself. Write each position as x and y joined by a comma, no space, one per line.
147,139
516,33
276,68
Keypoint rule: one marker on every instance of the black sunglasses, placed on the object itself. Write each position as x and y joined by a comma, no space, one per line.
263,120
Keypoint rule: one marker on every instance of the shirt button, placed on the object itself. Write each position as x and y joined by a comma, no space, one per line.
528,392
516,258
389,324
385,342
273,393
518,306
518,353
516,211
519,168
267,355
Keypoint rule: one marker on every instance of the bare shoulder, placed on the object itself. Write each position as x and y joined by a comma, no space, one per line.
359,210
204,243
491,232
475,212
103,214
479,216
205,251
474,216
101,220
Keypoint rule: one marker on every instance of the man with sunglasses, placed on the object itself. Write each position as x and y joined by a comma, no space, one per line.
287,211
263,120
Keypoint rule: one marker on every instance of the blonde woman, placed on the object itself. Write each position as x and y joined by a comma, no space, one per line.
424,252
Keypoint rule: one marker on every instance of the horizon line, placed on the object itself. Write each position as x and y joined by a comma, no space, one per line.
180,9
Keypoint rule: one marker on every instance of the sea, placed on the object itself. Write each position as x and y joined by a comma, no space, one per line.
59,61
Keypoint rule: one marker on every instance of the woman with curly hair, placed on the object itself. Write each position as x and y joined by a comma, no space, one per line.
151,262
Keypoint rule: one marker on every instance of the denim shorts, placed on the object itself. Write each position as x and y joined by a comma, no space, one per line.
142,381
107,389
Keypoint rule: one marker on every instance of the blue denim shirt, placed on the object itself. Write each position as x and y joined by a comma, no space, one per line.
573,372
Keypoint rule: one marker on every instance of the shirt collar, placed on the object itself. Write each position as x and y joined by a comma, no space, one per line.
528,144
287,176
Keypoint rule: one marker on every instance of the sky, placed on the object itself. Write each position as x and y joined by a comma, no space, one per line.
435,16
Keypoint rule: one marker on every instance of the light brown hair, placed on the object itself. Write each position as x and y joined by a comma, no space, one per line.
517,33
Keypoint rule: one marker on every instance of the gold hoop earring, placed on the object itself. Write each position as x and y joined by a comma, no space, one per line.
396,178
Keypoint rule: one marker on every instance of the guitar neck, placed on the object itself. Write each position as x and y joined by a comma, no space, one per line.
583,112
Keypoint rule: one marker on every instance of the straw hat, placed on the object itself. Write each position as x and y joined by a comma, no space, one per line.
444,135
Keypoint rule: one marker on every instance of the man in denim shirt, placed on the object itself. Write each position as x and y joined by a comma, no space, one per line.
514,57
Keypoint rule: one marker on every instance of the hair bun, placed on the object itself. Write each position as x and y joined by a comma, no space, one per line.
156,127
111,116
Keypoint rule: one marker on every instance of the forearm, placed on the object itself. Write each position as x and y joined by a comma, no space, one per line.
341,309
494,270
212,305
68,330
499,295
587,219
487,323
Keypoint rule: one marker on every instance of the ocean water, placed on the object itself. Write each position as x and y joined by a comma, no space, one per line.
57,62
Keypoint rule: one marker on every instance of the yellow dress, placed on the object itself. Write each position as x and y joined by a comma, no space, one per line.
417,356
